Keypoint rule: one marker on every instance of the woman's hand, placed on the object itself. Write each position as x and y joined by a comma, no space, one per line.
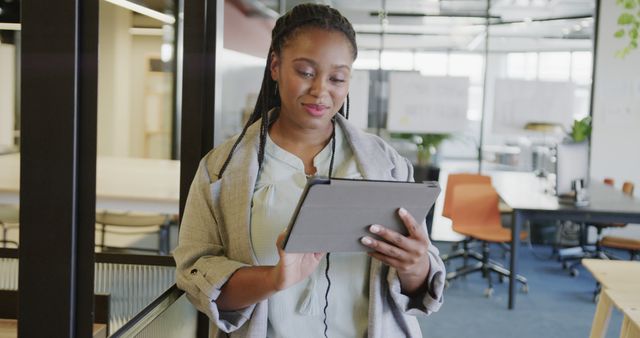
292,268
409,255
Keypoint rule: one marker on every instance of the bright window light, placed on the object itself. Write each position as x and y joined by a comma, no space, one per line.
432,64
581,67
522,65
555,66
392,60
468,65
367,59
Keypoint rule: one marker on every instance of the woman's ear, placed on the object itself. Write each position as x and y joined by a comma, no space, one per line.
274,66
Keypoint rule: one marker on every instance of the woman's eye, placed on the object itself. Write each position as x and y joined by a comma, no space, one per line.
337,80
306,74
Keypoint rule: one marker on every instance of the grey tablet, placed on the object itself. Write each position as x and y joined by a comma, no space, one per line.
333,214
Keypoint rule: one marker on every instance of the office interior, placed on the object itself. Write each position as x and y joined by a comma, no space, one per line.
482,87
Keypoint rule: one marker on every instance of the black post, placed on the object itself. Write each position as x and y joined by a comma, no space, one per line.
57,167
198,88
201,36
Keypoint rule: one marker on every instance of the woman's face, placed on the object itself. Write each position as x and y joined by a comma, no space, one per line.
313,72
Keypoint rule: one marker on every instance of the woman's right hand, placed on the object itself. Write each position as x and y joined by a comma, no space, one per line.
293,267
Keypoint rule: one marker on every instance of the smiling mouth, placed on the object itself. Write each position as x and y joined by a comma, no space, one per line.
315,109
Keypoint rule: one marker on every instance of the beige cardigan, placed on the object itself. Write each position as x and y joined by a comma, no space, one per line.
215,241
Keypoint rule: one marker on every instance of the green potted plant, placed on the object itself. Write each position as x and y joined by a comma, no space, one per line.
580,130
427,145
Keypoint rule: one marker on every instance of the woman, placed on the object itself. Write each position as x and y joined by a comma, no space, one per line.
245,190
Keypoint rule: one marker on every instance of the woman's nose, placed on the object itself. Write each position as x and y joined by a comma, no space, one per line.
318,87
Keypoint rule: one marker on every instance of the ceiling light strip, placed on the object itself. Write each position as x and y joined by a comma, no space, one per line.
10,26
168,19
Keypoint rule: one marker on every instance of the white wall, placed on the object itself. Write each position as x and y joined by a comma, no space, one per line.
616,110
7,92
114,67
143,47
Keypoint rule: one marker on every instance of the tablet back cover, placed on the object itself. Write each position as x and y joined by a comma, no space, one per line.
333,217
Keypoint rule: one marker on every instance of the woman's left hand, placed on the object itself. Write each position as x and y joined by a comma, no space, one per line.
409,255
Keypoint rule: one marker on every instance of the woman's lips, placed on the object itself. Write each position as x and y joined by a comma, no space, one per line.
315,109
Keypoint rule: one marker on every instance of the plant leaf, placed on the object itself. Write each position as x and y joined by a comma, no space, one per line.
619,33
633,44
625,19
633,34
629,4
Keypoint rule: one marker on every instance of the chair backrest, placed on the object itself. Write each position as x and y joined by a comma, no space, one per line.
130,219
475,205
627,188
455,179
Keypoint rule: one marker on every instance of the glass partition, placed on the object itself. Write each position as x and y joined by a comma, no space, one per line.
9,122
137,191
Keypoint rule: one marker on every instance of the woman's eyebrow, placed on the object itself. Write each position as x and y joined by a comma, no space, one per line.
315,64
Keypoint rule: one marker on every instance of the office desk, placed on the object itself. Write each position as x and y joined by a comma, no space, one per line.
524,193
124,184
620,281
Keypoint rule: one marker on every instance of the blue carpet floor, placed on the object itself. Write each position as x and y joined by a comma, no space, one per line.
557,304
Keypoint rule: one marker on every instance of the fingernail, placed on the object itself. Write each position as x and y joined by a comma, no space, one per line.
366,240
374,228
402,211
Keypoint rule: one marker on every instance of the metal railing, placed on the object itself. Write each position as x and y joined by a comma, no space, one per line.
132,281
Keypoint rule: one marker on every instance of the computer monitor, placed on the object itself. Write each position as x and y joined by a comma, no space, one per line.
572,163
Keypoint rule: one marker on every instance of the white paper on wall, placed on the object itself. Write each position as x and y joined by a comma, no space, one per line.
427,104
518,102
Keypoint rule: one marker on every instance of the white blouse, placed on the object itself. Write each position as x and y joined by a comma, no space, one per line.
298,310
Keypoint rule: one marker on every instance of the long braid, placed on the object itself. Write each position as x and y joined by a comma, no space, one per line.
301,16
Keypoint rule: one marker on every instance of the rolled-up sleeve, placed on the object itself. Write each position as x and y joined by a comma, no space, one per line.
202,268
432,297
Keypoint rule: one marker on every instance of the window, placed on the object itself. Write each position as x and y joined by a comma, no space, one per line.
367,59
392,60
432,64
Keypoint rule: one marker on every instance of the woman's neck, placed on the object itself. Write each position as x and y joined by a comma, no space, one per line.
304,143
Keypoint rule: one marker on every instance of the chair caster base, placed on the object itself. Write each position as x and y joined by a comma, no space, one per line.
488,292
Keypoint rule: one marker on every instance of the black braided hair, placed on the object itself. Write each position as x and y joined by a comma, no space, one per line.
287,26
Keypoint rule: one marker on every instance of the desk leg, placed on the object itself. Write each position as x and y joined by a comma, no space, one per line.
626,326
602,316
516,226
634,329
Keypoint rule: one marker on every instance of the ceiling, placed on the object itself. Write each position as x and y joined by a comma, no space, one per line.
461,24
444,25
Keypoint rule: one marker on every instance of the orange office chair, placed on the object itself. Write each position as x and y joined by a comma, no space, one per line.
632,245
453,181
474,210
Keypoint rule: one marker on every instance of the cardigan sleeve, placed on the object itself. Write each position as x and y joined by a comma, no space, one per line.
431,300
202,268
428,302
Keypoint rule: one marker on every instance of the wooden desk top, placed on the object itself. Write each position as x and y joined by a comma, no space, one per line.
9,329
628,301
610,273
127,184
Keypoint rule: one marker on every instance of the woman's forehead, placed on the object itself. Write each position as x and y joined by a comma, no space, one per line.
319,45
